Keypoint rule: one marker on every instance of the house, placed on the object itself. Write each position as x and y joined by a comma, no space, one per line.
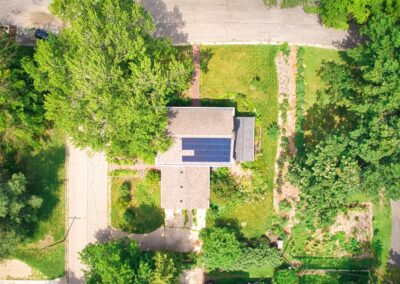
202,138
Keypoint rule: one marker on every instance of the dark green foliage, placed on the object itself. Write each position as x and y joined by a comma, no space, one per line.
221,249
107,80
224,184
124,264
300,93
327,177
286,276
224,252
18,210
362,153
21,109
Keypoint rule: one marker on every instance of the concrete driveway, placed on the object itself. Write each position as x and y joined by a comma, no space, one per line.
204,21
87,198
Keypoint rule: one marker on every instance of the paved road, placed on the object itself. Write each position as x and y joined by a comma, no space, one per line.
394,258
87,205
205,21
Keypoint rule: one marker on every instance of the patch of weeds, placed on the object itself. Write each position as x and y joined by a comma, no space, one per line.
194,216
285,48
285,205
185,216
273,130
121,172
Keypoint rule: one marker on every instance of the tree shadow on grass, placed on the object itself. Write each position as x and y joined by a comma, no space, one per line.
42,170
143,219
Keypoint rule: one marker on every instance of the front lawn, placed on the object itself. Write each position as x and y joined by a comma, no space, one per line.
135,202
45,173
245,77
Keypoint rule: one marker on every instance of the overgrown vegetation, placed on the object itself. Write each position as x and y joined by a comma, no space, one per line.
125,263
223,251
135,202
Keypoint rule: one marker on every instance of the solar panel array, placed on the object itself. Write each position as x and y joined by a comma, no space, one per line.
207,149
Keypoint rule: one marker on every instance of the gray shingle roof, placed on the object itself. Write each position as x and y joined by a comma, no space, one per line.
185,187
244,139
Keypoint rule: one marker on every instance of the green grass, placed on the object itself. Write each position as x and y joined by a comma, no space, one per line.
353,277
144,203
245,77
313,58
45,172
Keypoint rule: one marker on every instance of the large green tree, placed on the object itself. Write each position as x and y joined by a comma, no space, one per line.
125,264
21,108
107,80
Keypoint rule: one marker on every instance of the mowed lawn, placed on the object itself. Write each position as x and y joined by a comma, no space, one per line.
45,171
313,57
245,76
141,201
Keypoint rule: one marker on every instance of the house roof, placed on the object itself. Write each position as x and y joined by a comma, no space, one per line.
202,136
244,139
201,121
185,187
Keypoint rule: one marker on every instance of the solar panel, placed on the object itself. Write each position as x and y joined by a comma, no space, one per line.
207,149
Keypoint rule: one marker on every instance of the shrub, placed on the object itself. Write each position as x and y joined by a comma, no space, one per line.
273,130
125,193
122,172
285,205
286,276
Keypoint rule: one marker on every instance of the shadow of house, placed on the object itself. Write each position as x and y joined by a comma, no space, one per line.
169,24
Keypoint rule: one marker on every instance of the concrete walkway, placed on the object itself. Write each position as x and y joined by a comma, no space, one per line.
204,21
394,257
87,198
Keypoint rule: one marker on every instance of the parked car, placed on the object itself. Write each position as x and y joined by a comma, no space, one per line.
41,34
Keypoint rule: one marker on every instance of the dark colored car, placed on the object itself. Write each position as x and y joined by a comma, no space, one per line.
41,34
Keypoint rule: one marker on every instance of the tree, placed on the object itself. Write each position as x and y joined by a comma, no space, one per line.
164,271
125,263
326,177
363,153
18,211
21,109
221,249
107,80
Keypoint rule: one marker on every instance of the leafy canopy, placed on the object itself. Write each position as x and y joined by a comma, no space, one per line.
126,264
107,80
21,108
18,211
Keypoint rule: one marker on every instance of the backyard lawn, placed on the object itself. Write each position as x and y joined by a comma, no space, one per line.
313,58
245,77
45,171
135,202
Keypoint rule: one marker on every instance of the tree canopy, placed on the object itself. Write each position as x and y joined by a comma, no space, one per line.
21,108
126,264
107,80
18,210
223,251
363,153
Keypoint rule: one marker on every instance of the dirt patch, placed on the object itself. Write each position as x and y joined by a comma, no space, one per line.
16,269
356,223
238,171
286,70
